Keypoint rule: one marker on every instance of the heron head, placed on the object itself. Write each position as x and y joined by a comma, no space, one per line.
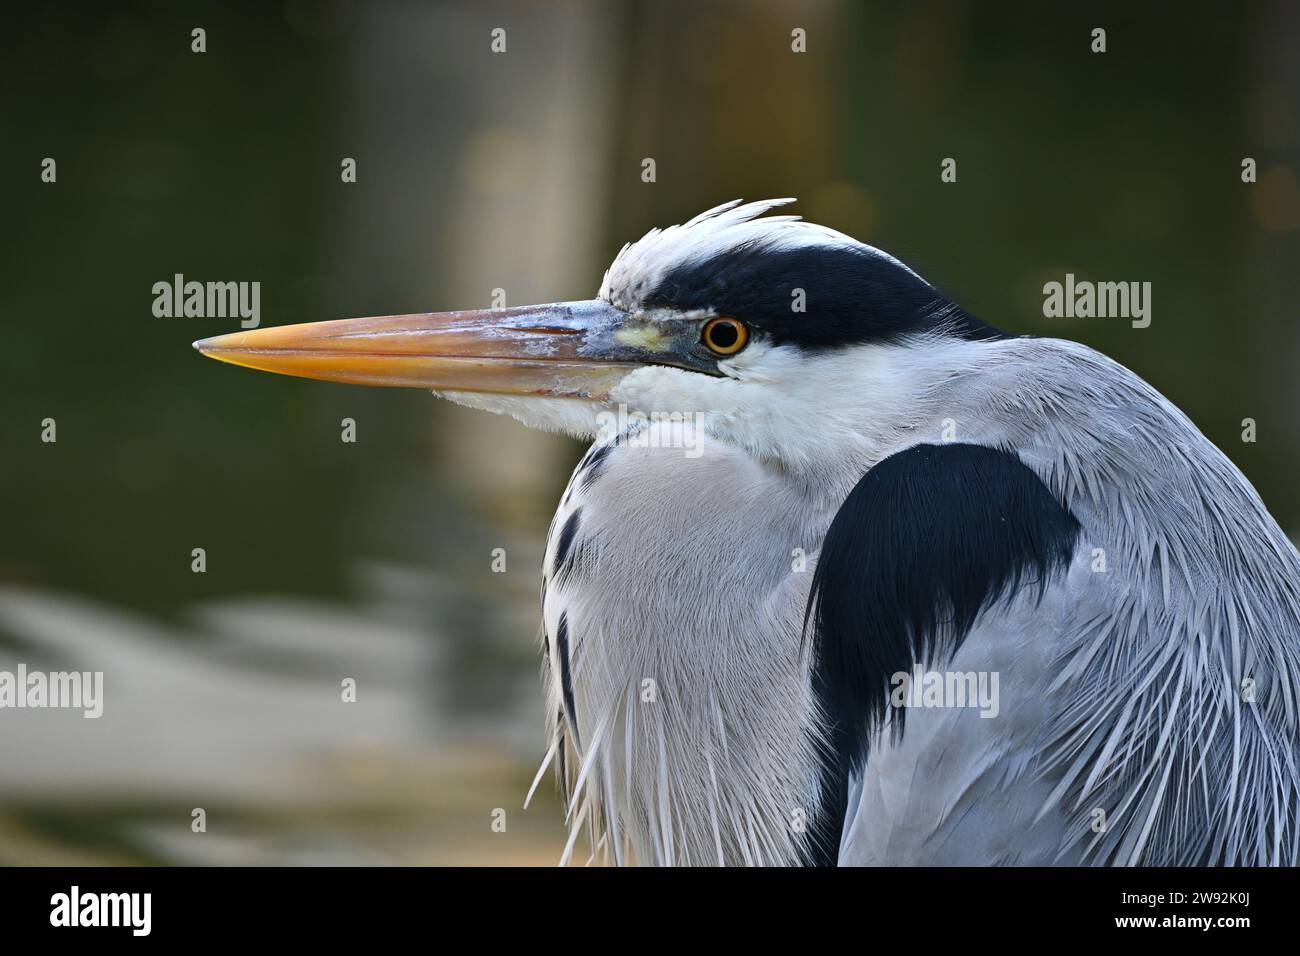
756,325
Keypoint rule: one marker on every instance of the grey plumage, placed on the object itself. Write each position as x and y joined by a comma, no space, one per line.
1122,690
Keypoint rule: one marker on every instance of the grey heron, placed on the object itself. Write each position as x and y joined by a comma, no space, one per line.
830,477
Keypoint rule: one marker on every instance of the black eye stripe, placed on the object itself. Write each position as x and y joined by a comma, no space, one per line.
847,295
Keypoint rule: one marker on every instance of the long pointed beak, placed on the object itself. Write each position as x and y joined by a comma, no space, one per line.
562,350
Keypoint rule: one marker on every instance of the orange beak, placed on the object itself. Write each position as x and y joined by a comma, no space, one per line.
561,350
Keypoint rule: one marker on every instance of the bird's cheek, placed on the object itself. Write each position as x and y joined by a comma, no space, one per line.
660,390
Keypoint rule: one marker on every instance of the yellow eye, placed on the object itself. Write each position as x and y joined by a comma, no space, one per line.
724,336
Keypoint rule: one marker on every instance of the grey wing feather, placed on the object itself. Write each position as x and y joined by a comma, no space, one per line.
1148,706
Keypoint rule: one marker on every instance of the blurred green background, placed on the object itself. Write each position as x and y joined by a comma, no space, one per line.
519,171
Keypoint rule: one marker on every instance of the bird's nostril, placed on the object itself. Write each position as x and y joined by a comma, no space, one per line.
547,330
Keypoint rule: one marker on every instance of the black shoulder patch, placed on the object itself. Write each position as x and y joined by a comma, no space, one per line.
928,539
